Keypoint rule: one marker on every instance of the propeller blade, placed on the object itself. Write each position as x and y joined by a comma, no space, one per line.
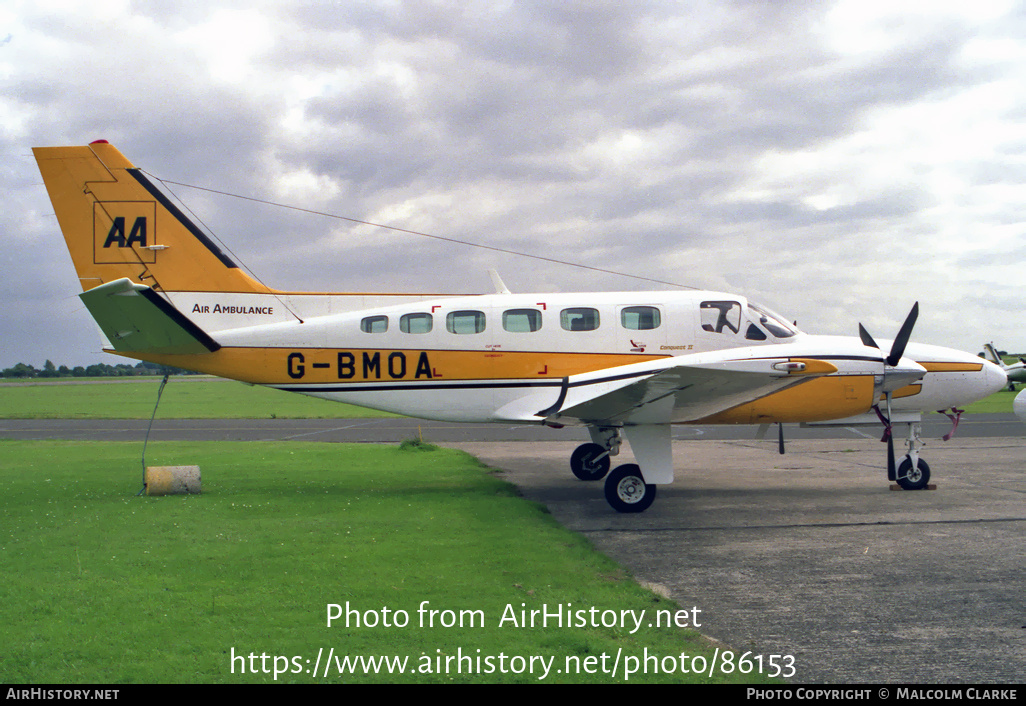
780,438
867,340
898,348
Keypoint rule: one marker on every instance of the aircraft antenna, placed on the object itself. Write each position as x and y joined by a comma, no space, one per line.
456,241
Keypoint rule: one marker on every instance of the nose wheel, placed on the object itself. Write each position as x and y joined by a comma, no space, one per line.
913,478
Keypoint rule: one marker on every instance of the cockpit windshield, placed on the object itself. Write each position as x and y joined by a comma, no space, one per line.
774,323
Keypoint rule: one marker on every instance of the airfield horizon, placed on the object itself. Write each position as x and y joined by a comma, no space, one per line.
209,397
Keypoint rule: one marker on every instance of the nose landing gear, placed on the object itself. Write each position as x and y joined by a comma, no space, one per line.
913,473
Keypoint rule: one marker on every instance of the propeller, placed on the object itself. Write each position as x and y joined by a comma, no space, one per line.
900,341
904,333
899,377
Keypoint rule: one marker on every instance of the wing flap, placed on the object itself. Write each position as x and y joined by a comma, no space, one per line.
135,319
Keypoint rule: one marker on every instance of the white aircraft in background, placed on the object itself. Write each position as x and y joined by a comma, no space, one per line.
630,363
1016,372
1019,406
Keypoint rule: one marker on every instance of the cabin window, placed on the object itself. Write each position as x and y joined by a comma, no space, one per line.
718,316
755,333
522,320
415,323
579,319
465,322
374,324
640,318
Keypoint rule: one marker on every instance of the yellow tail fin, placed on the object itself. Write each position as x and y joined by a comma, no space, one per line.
117,225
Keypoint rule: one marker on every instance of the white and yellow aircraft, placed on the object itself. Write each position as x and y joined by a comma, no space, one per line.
630,362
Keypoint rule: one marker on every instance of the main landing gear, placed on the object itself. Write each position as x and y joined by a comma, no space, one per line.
591,461
627,491
625,488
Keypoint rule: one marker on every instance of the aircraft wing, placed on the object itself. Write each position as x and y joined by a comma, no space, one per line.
134,318
678,389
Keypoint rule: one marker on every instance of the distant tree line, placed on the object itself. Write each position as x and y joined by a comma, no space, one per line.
98,370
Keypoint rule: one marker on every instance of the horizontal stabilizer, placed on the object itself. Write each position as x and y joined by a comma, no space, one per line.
136,319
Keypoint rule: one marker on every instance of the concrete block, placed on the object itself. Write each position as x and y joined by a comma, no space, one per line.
172,480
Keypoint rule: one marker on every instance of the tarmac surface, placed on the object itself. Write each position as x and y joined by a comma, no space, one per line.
807,554
811,554
396,429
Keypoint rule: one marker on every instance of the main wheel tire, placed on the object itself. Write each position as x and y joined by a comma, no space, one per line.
586,464
627,491
913,479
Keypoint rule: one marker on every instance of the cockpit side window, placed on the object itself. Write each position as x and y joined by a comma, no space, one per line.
772,322
717,316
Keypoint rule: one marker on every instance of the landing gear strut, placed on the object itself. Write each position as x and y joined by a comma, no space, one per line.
914,472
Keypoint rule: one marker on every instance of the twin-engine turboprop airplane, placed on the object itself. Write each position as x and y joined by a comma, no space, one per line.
627,362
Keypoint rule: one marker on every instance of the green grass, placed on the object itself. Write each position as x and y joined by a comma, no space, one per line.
183,398
102,586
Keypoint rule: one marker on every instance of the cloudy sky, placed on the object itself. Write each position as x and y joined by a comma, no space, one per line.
835,161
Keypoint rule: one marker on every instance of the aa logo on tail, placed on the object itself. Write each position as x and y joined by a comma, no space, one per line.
124,232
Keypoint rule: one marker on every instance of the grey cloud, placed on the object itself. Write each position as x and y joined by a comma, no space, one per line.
513,105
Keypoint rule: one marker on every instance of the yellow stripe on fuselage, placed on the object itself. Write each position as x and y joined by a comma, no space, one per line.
282,366
952,367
